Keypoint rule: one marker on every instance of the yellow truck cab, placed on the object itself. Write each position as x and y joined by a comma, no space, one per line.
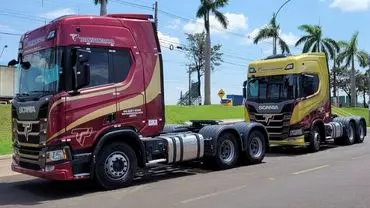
290,96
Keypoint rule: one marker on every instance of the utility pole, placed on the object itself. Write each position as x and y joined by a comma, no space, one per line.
156,14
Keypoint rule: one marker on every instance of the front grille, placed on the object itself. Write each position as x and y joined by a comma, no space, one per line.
277,125
28,144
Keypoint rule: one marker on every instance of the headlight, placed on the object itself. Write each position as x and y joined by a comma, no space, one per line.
56,155
296,132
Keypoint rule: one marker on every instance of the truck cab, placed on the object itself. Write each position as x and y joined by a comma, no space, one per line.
290,96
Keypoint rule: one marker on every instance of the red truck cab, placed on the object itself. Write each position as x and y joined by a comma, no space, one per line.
64,107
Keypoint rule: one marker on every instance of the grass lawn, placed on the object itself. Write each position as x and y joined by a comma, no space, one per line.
174,114
5,130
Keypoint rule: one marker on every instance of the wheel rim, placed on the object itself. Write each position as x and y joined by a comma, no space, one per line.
362,132
317,139
351,133
255,147
116,165
227,151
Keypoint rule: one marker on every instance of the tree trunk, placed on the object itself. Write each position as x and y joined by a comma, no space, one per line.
364,93
207,65
335,83
353,84
198,76
103,7
274,46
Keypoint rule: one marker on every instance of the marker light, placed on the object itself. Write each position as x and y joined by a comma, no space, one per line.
252,70
289,67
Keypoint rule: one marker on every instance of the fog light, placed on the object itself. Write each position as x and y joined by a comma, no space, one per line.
49,168
56,155
296,132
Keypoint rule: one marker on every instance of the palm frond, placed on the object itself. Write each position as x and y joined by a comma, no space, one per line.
202,11
328,49
220,3
333,43
221,18
315,47
302,40
264,33
283,46
308,45
310,29
362,58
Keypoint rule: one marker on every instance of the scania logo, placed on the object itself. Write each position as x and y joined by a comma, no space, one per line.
268,107
27,109
27,129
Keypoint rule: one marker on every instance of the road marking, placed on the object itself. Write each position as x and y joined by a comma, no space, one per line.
358,157
213,194
311,169
271,179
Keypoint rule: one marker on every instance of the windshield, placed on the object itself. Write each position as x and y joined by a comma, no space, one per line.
43,75
272,88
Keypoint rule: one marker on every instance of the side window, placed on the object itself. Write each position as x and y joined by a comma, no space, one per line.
99,67
309,84
121,63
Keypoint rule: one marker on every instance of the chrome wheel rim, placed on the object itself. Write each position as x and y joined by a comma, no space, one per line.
116,165
227,151
255,147
351,133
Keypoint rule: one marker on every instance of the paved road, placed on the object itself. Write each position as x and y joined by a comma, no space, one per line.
335,177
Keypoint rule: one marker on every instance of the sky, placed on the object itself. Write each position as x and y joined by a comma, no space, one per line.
338,18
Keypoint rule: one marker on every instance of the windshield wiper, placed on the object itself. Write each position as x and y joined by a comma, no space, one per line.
23,94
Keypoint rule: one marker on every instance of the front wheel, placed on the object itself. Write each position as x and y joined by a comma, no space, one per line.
315,139
115,166
256,148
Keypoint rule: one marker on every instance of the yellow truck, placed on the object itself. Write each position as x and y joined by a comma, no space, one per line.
290,96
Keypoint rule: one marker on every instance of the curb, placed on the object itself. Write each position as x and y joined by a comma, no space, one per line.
5,157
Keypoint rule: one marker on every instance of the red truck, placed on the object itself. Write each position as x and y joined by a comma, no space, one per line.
91,105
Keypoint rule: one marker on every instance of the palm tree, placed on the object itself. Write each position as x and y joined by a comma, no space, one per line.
315,42
349,54
205,9
272,30
103,6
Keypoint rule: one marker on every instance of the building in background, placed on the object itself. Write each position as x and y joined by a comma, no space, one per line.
7,83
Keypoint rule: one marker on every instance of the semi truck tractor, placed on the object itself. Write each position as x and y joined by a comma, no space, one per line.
290,96
90,105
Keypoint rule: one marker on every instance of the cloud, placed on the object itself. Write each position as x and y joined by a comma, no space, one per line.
167,41
289,38
174,24
351,5
57,13
237,22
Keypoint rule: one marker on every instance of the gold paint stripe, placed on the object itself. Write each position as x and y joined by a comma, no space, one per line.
152,91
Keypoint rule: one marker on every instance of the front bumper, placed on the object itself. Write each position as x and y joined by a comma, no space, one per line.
60,172
290,141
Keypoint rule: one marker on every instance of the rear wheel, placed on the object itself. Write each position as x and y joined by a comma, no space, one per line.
256,148
115,166
361,130
227,152
315,139
349,137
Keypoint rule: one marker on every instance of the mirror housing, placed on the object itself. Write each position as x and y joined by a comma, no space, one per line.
82,71
245,89
13,62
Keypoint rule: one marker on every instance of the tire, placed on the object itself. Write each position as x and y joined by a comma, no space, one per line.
349,136
256,148
361,132
115,166
227,152
315,139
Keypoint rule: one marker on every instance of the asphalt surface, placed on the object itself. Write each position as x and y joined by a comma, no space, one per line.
334,177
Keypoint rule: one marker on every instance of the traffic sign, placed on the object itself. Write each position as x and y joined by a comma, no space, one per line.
221,93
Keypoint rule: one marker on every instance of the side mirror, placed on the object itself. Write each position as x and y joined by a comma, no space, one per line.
13,62
82,72
245,89
26,65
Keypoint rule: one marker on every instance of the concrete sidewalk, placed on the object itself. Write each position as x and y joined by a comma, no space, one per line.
5,170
